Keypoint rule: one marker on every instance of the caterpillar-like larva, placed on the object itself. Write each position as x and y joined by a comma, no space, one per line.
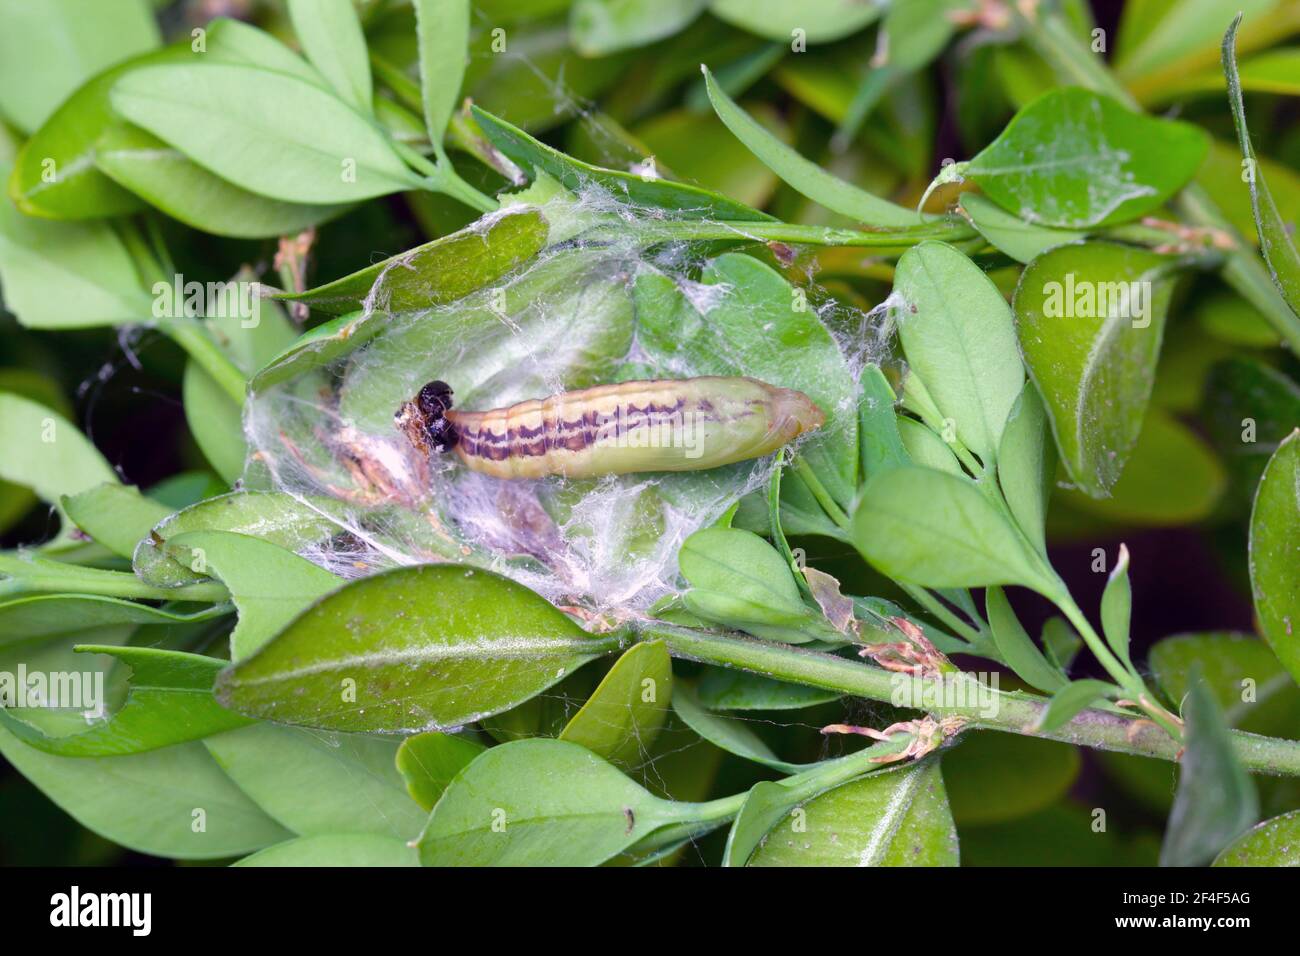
663,425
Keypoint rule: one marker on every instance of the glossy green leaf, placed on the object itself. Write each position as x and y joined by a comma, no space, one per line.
1275,240
539,802
1144,495
330,34
152,802
1274,842
43,451
1216,799
442,32
335,850
435,273
625,713
928,527
1275,553
269,584
170,181
1093,361
1117,608
430,761
117,516
1027,464
47,615
1071,700
1017,647
926,449
169,702
894,818
881,446
67,275
801,174
722,688
47,50
601,27
431,646
957,333
267,132
316,783
689,202
993,777
737,578
1074,159
727,733
1022,241
278,518
817,21
1254,690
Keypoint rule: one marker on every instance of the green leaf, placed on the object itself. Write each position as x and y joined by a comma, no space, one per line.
48,615
431,646
215,421
1017,647
316,784
1249,408
442,32
539,802
957,333
881,446
150,802
430,761
625,713
335,850
1274,842
1144,495
267,132
726,733
1094,362
928,527
1071,700
67,275
601,27
1117,608
888,818
330,34
1074,159
721,688
737,578
1027,465
269,584
923,447
1274,558
804,176
169,702
689,202
818,21
117,516
50,49
168,180
1274,237
1255,691
43,451
1216,799
992,777
1022,241
433,274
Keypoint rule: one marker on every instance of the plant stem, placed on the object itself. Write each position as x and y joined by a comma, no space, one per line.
936,607
51,577
444,179
691,230
833,511
1016,713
